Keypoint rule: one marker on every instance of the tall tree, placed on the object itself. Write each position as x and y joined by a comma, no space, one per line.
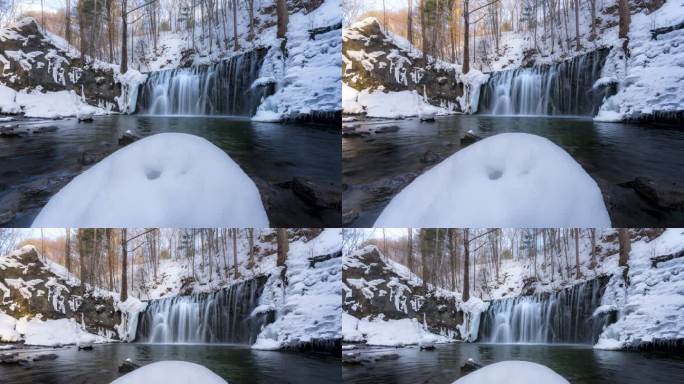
625,18
235,261
409,257
283,246
124,264
281,10
409,22
67,249
625,246
67,22
466,263
578,274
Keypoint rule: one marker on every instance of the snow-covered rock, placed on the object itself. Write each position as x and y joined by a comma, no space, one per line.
308,308
393,333
8,329
54,333
507,180
170,372
513,372
168,179
649,307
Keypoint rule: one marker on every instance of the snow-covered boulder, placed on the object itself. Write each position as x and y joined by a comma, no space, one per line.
507,180
513,372
171,372
8,331
165,180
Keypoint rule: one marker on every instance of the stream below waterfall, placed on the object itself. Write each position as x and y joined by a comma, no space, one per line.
237,364
579,364
377,166
35,165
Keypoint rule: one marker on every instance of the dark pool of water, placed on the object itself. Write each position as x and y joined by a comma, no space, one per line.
376,167
578,364
236,364
273,153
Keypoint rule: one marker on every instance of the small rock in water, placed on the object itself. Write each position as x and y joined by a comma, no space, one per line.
470,138
128,365
430,157
87,347
43,356
665,195
469,366
427,117
427,347
319,194
128,138
387,129
85,117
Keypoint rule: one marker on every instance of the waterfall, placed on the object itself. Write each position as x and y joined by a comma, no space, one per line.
565,316
224,88
565,88
224,316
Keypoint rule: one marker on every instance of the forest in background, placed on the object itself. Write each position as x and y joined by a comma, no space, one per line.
95,255
465,31
128,31
470,260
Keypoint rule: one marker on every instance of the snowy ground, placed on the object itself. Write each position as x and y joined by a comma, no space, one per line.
390,105
475,188
393,333
144,185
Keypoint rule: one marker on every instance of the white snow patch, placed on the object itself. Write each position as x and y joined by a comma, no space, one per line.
513,372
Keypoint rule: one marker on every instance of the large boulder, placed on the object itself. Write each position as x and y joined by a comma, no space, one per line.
373,287
29,59
28,287
374,59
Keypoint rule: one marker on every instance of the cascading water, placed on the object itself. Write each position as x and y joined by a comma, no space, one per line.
223,316
566,316
565,88
225,88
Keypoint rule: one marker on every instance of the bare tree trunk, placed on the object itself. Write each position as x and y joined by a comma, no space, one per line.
67,26
409,22
593,19
410,249
578,274
235,262
625,246
577,39
67,249
466,38
124,264
625,18
282,18
250,237
283,247
236,46
124,38
466,264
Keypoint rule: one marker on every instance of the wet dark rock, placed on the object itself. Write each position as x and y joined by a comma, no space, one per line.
43,187
25,360
387,129
43,356
45,129
662,194
88,347
358,358
92,157
470,366
349,215
318,194
430,157
127,138
321,258
9,205
470,138
128,365
428,118
427,347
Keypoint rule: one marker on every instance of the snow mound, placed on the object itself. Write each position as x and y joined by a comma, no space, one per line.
390,105
165,180
8,332
171,372
393,333
55,333
507,180
513,372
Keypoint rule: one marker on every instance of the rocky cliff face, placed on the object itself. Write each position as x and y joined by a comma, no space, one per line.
373,60
30,60
373,287
29,288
